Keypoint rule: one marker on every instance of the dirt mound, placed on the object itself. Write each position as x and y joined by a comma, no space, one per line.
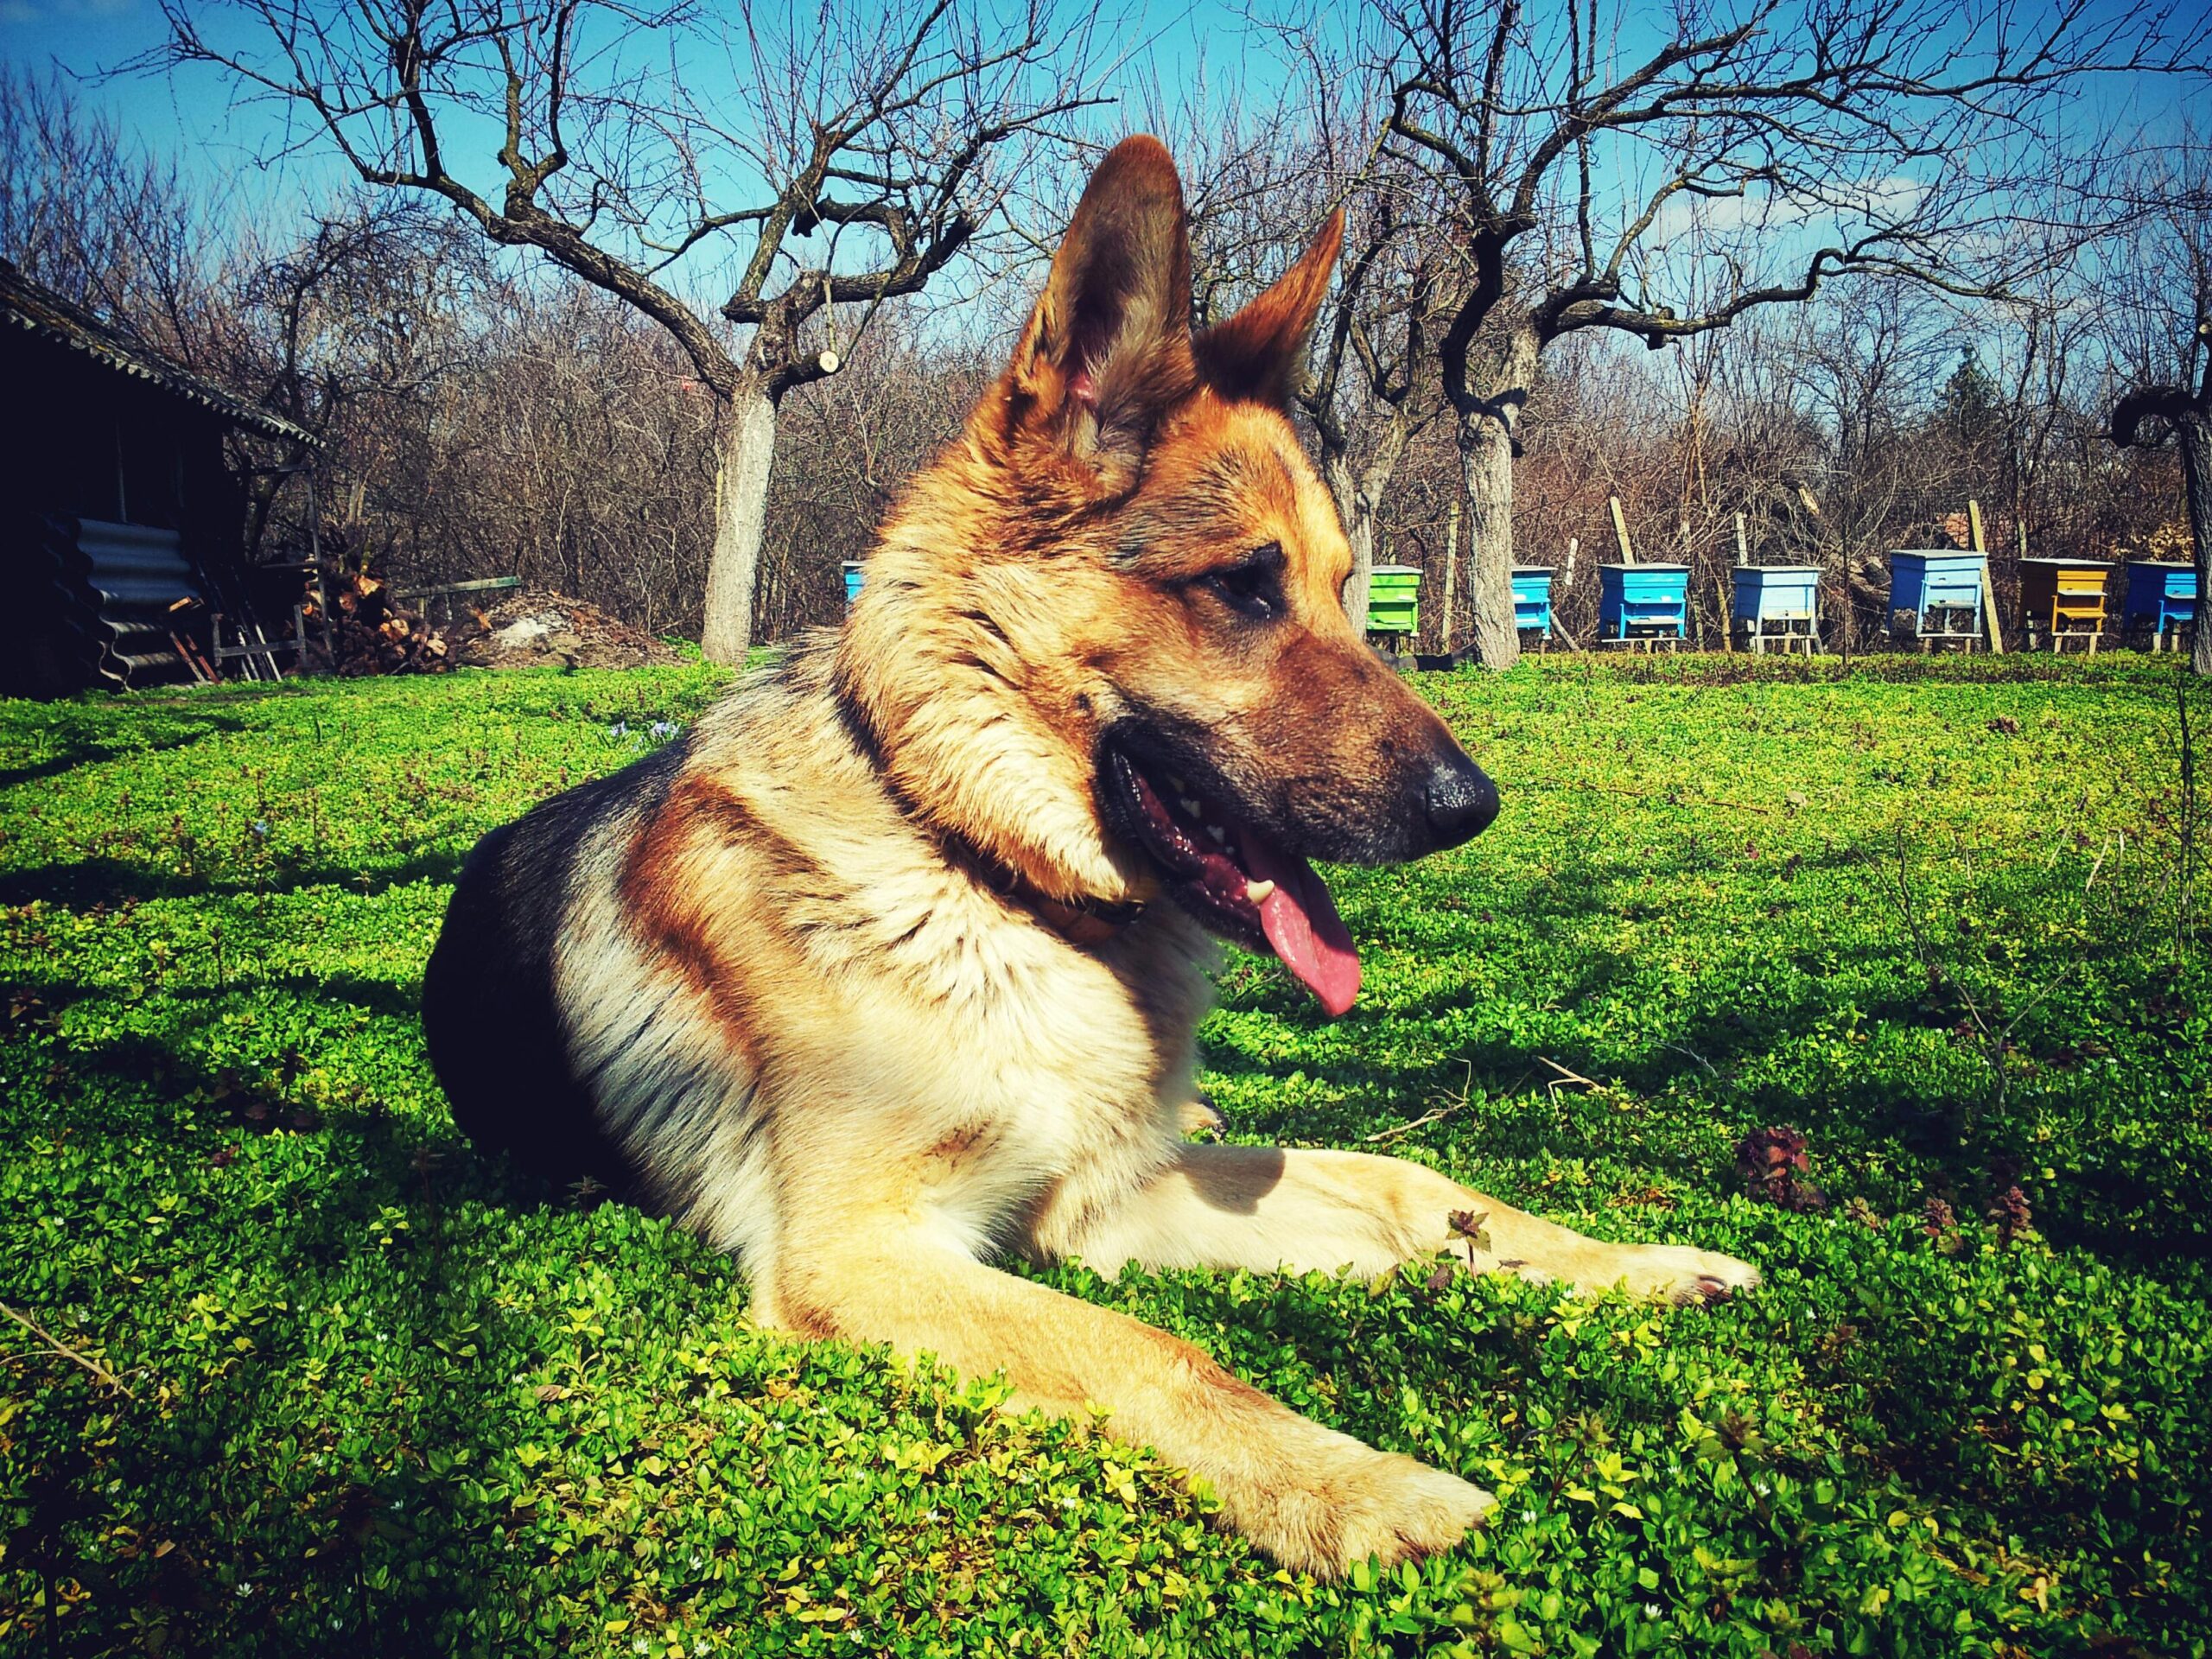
538,629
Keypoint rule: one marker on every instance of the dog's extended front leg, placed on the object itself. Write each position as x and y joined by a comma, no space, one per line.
1310,1497
1265,1208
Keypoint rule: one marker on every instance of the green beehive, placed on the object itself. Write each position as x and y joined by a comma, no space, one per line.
1393,598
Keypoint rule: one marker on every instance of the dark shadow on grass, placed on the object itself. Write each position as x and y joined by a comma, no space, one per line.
84,751
382,1509
114,882
392,999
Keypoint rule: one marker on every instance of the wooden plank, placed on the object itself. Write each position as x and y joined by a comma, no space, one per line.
1450,566
1560,591
1620,530
1994,628
203,670
481,585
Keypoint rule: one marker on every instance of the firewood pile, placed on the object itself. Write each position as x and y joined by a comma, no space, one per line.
369,632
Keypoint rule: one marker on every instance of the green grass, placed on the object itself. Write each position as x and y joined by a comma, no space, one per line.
333,1384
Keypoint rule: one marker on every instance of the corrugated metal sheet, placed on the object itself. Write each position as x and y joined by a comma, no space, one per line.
113,587
33,307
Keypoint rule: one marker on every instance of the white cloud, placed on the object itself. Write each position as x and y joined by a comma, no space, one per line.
1854,204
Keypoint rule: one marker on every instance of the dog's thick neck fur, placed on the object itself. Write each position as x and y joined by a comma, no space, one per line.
968,723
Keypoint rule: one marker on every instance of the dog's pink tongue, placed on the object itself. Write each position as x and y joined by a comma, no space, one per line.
1301,921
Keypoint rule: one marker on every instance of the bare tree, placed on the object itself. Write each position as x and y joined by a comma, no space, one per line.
1258,180
96,219
846,157
1870,365
1760,148
846,452
2161,292
1363,394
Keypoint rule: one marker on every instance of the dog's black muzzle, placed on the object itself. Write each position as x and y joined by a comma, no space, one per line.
1460,801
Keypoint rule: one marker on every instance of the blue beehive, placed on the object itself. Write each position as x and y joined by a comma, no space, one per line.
1531,599
1643,601
1936,595
852,568
2161,597
1772,601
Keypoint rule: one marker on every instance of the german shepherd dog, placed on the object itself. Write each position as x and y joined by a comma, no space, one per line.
892,965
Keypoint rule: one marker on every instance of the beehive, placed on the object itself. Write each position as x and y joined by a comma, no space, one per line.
1531,599
2061,598
1643,603
1935,595
2161,600
1775,601
1394,599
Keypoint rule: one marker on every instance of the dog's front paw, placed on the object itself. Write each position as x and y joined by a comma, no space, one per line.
1353,1502
1683,1276
1398,1507
1197,1115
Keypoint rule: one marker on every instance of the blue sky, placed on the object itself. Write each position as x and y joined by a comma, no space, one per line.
192,111
279,167
193,115
82,37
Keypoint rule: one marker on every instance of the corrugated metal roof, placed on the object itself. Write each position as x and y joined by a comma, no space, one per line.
105,602
37,309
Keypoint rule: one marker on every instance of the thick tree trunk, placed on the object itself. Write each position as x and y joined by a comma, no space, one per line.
1357,512
2194,432
1486,464
744,445
1359,503
1487,419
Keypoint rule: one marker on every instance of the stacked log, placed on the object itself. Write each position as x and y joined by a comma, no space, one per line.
369,632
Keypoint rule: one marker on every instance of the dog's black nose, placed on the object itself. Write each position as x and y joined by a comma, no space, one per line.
1461,800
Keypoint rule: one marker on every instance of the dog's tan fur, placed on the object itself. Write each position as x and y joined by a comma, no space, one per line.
839,984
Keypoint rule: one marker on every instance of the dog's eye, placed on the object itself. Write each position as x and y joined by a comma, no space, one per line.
1252,588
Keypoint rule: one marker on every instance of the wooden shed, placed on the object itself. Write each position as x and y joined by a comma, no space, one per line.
122,525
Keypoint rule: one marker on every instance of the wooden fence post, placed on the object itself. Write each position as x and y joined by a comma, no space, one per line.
1988,588
1620,530
1450,565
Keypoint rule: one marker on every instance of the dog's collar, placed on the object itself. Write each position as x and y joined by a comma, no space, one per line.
1088,922
1083,921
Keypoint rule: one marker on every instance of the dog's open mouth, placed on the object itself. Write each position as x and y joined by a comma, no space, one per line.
1238,883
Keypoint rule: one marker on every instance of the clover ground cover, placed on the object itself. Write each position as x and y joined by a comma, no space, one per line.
305,1372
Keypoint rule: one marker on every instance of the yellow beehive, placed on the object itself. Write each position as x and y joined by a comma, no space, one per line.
2062,596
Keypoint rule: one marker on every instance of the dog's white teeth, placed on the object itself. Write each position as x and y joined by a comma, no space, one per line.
1175,783
1220,835
1189,805
1258,893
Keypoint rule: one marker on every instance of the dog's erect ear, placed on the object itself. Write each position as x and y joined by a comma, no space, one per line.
1259,354
1108,346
